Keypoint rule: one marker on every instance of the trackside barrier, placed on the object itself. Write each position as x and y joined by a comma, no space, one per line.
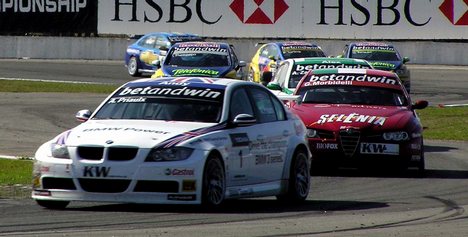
113,48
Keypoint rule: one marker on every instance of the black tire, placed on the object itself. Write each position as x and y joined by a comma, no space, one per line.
299,179
421,165
250,75
214,183
53,204
132,67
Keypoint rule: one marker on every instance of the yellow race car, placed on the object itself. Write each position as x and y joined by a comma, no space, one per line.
270,54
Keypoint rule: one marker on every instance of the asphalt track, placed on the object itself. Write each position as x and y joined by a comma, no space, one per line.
342,203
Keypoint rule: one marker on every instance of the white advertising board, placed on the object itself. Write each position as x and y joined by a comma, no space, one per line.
322,19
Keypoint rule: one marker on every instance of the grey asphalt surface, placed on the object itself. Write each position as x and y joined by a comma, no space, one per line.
344,203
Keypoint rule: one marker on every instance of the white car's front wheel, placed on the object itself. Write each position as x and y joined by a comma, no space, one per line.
214,182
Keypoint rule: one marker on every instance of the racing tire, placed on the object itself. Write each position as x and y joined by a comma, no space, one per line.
52,204
213,183
250,75
132,67
421,165
299,179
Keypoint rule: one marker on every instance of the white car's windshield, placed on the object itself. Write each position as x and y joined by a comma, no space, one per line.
353,95
169,109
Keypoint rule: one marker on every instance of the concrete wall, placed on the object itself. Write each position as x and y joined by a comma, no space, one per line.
102,48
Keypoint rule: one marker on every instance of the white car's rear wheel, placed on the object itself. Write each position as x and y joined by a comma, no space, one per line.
214,182
299,179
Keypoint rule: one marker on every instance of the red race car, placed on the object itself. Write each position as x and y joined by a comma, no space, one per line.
359,117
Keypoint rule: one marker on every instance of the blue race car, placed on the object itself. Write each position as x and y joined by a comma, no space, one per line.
158,43
209,59
381,56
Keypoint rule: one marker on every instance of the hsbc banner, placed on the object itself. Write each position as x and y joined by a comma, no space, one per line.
48,17
335,19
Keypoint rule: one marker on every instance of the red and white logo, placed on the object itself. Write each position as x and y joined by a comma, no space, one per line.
259,11
456,11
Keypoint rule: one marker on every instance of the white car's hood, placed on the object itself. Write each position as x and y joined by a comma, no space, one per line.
143,134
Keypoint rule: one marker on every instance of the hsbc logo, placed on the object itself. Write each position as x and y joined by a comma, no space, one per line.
259,11
456,11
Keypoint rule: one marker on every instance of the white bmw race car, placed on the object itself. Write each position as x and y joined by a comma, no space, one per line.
187,140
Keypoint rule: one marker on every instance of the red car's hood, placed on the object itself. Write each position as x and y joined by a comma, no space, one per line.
338,116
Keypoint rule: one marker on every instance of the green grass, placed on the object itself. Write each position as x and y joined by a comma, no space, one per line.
40,86
450,123
15,172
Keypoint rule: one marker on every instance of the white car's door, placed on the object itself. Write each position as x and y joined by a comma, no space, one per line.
240,159
269,146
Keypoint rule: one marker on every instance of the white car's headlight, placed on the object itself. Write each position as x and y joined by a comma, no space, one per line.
312,133
59,151
169,154
396,136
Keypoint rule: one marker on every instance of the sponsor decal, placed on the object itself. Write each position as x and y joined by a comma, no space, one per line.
239,139
263,11
42,193
180,172
327,146
195,71
169,91
415,158
126,100
299,48
456,11
268,144
303,69
382,64
369,48
379,148
180,38
124,129
44,6
96,171
181,197
262,159
347,78
416,146
197,45
133,51
351,118
187,80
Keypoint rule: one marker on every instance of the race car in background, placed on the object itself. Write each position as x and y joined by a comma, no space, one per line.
267,57
156,44
360,118
209,59
383,56
185,140
290,71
